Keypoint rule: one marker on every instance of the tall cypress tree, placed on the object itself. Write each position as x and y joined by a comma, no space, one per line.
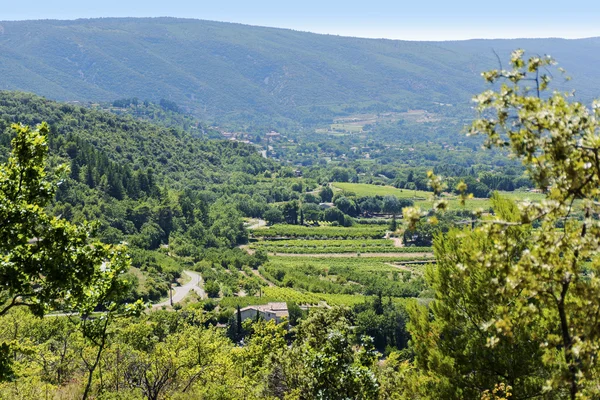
238,328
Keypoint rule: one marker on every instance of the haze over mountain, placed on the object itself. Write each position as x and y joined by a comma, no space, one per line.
231,72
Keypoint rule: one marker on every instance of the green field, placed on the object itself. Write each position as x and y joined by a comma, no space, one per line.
276,294
308,298
356,276
424,199
365,189
321,232
334,246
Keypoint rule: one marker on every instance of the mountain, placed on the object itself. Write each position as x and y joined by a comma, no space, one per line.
228,72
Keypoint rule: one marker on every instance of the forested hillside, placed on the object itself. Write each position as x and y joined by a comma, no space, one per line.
253,75
142,183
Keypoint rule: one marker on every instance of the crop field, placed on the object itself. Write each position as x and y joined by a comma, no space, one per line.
365,189
366,276
308,298
322,232
519,195
282,294
365,248
334,246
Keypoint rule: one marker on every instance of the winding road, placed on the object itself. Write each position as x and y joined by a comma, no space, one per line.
179,292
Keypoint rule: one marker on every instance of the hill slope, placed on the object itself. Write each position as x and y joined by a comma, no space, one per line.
233,72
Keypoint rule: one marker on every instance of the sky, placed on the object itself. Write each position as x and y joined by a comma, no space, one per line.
399,19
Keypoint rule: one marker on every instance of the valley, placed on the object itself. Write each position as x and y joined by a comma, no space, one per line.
211,210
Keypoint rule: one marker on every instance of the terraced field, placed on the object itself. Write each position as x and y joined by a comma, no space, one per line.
334,246
321,232
365,276
336,265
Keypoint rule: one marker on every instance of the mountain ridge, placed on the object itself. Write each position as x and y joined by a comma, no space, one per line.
231,72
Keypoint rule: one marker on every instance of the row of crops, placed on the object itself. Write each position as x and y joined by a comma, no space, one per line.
219,280
315,276
349,276
322,232
288,295
334,246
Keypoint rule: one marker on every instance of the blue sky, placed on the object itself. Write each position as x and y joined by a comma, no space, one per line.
409,20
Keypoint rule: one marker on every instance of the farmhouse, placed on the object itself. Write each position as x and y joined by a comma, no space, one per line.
269,311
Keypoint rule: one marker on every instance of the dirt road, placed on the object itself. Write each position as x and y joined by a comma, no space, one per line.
260,223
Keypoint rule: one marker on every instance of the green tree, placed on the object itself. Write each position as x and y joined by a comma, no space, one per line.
453,348
212,289
290,212
273,216
536,270
47,262
323,363
326,194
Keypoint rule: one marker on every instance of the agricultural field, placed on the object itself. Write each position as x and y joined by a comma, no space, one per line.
226,282
365,189
334,246
322,232
356,276
424,199
308,298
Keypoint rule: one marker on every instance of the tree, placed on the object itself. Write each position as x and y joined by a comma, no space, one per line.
393,205
273,216
393,224
333,215
326,194
453,347
239,330
346,205
290,212
212,289
47,262
295,313
542,260
311,212
322,362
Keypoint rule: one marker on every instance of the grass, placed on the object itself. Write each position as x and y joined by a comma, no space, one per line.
365,189
322,232
423,199
376,265
323,246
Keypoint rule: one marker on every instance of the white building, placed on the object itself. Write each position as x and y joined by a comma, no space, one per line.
269,311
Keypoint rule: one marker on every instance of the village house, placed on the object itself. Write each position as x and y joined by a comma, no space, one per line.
276,311
273,135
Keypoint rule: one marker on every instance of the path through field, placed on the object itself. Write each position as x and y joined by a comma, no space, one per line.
179,292
397,241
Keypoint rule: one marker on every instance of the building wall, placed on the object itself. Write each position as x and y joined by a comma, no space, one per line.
267,316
